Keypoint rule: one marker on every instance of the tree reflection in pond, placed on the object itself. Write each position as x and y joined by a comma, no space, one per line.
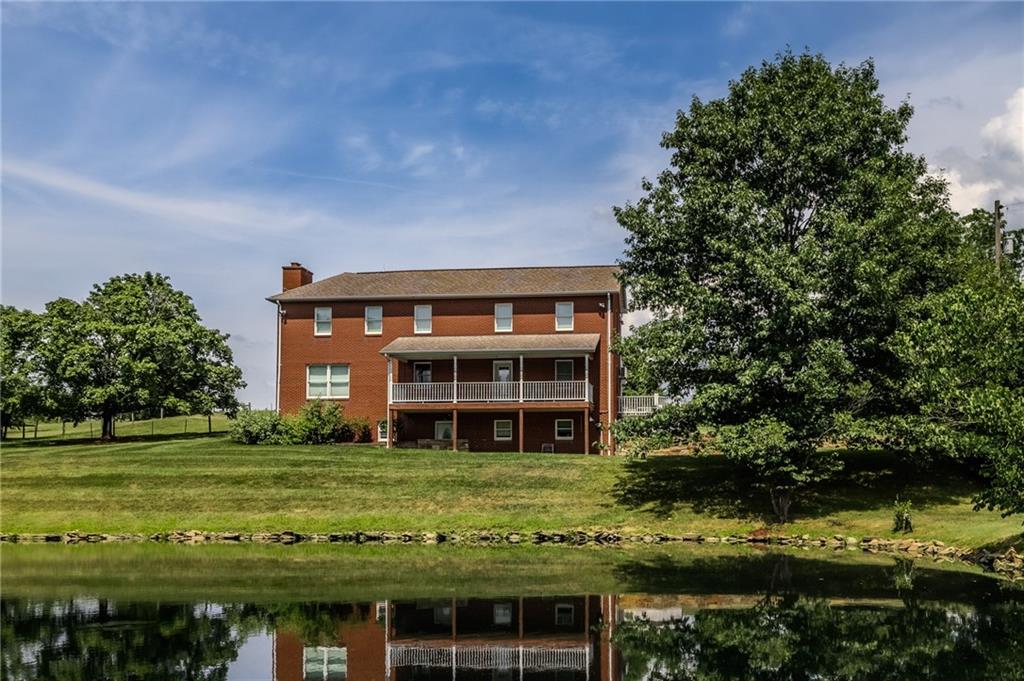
805,638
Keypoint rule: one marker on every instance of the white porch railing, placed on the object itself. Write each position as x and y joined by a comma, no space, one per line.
493,391
527,658
422,392
488,391
634,405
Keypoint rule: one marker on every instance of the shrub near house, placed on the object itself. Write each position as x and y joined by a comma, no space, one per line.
317,423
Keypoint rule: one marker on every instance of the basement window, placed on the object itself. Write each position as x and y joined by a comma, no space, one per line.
503,430
563,429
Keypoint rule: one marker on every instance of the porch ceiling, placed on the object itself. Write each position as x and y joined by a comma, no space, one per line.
512,345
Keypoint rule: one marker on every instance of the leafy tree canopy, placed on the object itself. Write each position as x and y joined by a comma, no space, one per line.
134,343
964,349
778,254
19,391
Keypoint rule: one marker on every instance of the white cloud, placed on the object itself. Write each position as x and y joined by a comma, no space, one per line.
233,219
1006,132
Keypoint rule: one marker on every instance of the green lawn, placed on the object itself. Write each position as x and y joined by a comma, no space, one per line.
212,484
171,425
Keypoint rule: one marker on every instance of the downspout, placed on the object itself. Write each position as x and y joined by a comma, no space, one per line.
608,398
277,371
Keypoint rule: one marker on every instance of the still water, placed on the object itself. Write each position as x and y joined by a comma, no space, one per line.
407,614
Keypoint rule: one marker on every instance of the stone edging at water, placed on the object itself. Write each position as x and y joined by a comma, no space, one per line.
1010,563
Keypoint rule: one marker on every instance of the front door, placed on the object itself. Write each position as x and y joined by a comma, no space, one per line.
442,430
502,371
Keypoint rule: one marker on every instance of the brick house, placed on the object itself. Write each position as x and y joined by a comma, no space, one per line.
502,359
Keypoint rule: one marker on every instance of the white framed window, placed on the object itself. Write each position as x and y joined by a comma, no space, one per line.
382,431
327,381
564,370
321,321
373,320
503,430
502,371
503,317
423,319
442,430
564,614
503,613
563,316
422,372
442,614
328,664
563,429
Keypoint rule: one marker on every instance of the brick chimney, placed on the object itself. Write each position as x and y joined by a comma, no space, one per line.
295,275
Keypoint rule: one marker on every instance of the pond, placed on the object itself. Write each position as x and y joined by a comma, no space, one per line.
531,613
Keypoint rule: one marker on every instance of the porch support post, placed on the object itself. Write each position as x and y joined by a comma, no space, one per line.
455,430
391,424
390,381
521,430
520,379
586,429
455,378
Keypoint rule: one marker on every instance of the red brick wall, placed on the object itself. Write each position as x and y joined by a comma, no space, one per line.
348,344
478,428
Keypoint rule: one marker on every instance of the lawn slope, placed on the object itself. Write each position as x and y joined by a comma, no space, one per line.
212,484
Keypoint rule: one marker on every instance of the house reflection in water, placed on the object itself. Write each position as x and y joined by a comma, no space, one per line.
530,639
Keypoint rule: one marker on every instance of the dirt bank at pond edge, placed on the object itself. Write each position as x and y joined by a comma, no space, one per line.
1009,564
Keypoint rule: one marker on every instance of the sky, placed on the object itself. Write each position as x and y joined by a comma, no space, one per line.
216,142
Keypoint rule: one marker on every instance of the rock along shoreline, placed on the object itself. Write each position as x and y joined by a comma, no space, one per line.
1009,564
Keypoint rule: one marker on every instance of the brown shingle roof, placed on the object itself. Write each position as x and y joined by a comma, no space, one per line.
483,282
425,346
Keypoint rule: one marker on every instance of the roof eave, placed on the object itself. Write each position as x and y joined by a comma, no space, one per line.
438,296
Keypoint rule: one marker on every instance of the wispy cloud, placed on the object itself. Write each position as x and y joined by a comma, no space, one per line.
232,219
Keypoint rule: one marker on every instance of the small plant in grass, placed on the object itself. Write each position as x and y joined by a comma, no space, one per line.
901,520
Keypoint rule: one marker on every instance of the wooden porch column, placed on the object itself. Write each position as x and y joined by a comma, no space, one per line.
520,378
520,431
520,617
387,444
455,430
391,429
586,429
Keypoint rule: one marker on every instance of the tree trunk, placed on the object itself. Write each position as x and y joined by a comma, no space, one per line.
781,499
108,427
209,423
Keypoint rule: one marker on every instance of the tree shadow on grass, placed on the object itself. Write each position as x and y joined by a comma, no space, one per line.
42,443
713,486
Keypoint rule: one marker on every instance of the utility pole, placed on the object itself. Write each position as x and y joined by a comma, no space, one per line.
998,210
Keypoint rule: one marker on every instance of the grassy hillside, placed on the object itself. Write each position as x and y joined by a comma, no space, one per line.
212,484
86,430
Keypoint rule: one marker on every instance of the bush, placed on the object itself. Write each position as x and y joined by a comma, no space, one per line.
318,423
259,427
901,520
361,431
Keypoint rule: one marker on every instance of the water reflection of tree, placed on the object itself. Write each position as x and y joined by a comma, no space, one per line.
87,640
792,637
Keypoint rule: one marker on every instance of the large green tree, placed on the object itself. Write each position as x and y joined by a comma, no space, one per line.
19,388
778,254
964,350
134,343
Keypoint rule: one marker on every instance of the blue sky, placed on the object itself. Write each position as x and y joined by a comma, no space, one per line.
215,142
